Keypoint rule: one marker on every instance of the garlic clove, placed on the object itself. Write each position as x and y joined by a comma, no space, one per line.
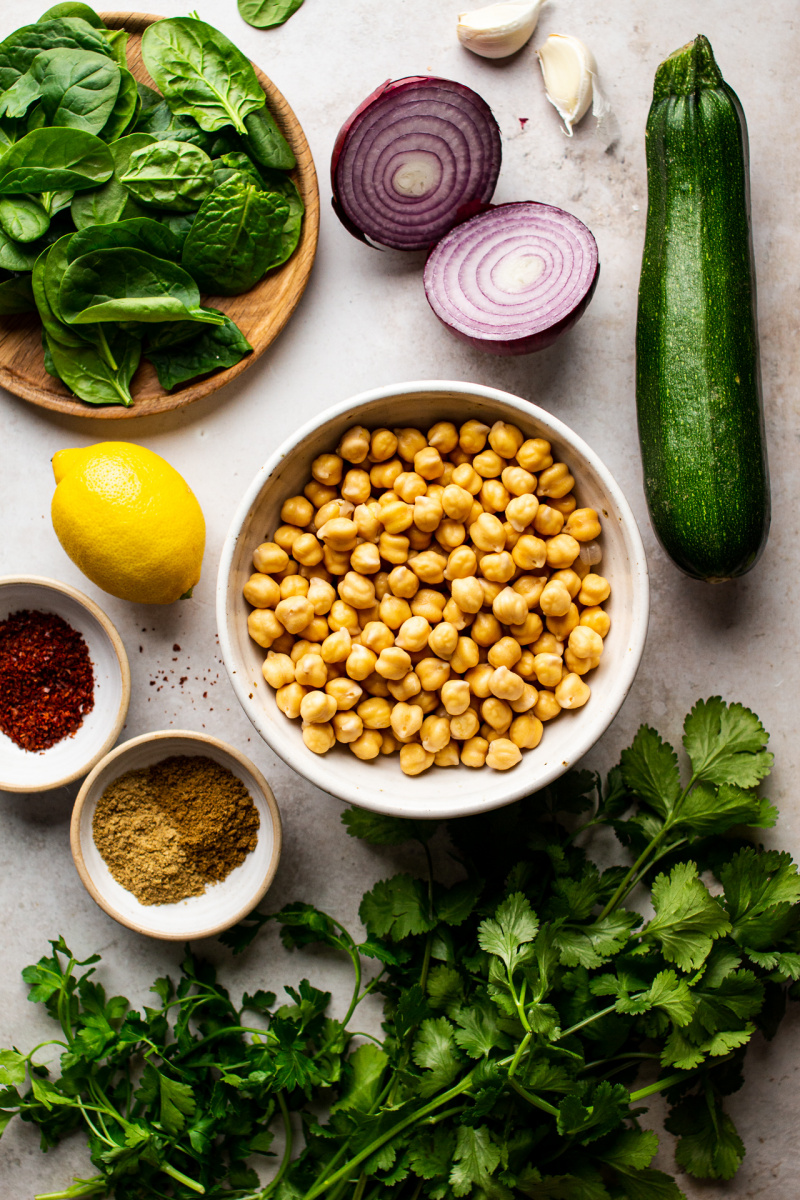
569,70
498,29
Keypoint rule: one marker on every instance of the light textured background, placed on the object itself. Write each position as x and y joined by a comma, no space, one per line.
364,322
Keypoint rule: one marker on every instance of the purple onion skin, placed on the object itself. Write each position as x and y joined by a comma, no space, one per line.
535,341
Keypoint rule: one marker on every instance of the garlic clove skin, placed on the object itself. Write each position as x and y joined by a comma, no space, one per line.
569,69
499,29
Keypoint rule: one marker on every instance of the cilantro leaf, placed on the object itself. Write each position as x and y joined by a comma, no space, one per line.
475,1158
453,905
633,1148
709,1146
433,1050
648,1185
589,945
725,743
397,908
762,890
381,830
650,771
12,1068
513,926
707,810
445,988
479,1030
365,1070
431,1153
594,1115
687,918
666,992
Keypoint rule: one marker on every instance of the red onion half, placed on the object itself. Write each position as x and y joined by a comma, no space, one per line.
412,159
513,279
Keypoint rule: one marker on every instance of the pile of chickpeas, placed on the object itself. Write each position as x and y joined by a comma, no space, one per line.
432,594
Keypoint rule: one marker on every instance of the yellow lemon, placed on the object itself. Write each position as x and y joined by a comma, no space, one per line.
129,521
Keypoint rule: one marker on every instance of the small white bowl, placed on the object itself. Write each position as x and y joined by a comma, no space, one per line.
41,770
440,792
223,903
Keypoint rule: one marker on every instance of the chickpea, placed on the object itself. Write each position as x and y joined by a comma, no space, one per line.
505,684
505,439
443,639
393,611
464,725
444,436
293,585
409,442
562,551
278,670
488,464
572,692
579,666
336,646
525,700
456,502
466,656
548,521
583,524
428,566
521,511
435,733
389,743
368,745
562,627
365,559
531,587
311,671
405,688
468,594
548,669
585,643
332,511
427,513
356,486
478,679
595,590
347,726
474,751
486,629
570,580
414,759
297,510
503,754
455,616
461,564
555,599
377,636
339,534
357,591
285,536
509,607
269,558
283,644
317,707
318,494
505,653
526,731
367,524
361,662
289,698
534,455
344,616
455,696
493,496
428,603
565,504
475,512
597,620
408,486
413,634
487,533
406,720
318,573
546,706
375,713
307,550
336,561
261,591
345,692
383,474
450,534
295,613
396,516
531,629
382,446
524,666
327,469
355,444
496,713
381,582
472,436
447,756
393,548
498,568
432,673
529,553
403,582
376,685
428,462
393,663
548,643
319,738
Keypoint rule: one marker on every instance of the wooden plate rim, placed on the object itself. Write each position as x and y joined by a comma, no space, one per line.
168,402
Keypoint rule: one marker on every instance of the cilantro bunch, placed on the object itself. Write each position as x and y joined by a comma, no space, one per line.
529,1010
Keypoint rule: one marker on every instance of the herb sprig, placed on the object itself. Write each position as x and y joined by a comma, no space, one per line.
529,1011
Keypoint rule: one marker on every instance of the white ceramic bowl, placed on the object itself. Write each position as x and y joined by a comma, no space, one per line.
39,771
453,791
222,904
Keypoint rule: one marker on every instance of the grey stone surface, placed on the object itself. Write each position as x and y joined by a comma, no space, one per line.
364,322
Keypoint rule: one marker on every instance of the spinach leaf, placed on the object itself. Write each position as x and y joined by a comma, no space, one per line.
126,284
16,295
280,183
201,73
264,14
179,225
211,350
235,237
160,121
78,89
172,175
16,100
148,96
105,204
10,132
23,218
125,111
17,256
48,160
265,141
236,163
20,48
117,41
72,8
141,233
56,202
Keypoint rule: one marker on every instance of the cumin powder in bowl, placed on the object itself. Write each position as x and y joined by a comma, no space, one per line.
176,835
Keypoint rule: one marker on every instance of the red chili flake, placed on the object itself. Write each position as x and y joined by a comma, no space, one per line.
46,679
523,121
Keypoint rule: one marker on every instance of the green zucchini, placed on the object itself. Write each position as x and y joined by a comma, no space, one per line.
698,381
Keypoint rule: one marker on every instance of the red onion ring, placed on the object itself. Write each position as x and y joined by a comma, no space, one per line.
513,279
412,159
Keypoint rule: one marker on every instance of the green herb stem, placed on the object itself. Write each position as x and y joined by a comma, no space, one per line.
536,1101
287,1151
587,1021
179,1177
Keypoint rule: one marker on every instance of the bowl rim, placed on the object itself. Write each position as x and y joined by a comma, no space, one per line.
207,740
315,771
55,585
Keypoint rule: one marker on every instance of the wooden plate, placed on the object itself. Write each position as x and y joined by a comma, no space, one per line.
260,313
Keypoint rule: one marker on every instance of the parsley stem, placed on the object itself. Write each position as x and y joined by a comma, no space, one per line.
87,1187
536,1101
179,1177
287,1152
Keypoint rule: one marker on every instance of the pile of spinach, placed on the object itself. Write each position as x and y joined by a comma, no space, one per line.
119,205
529,1011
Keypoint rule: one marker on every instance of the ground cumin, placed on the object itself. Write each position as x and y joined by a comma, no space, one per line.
167,831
